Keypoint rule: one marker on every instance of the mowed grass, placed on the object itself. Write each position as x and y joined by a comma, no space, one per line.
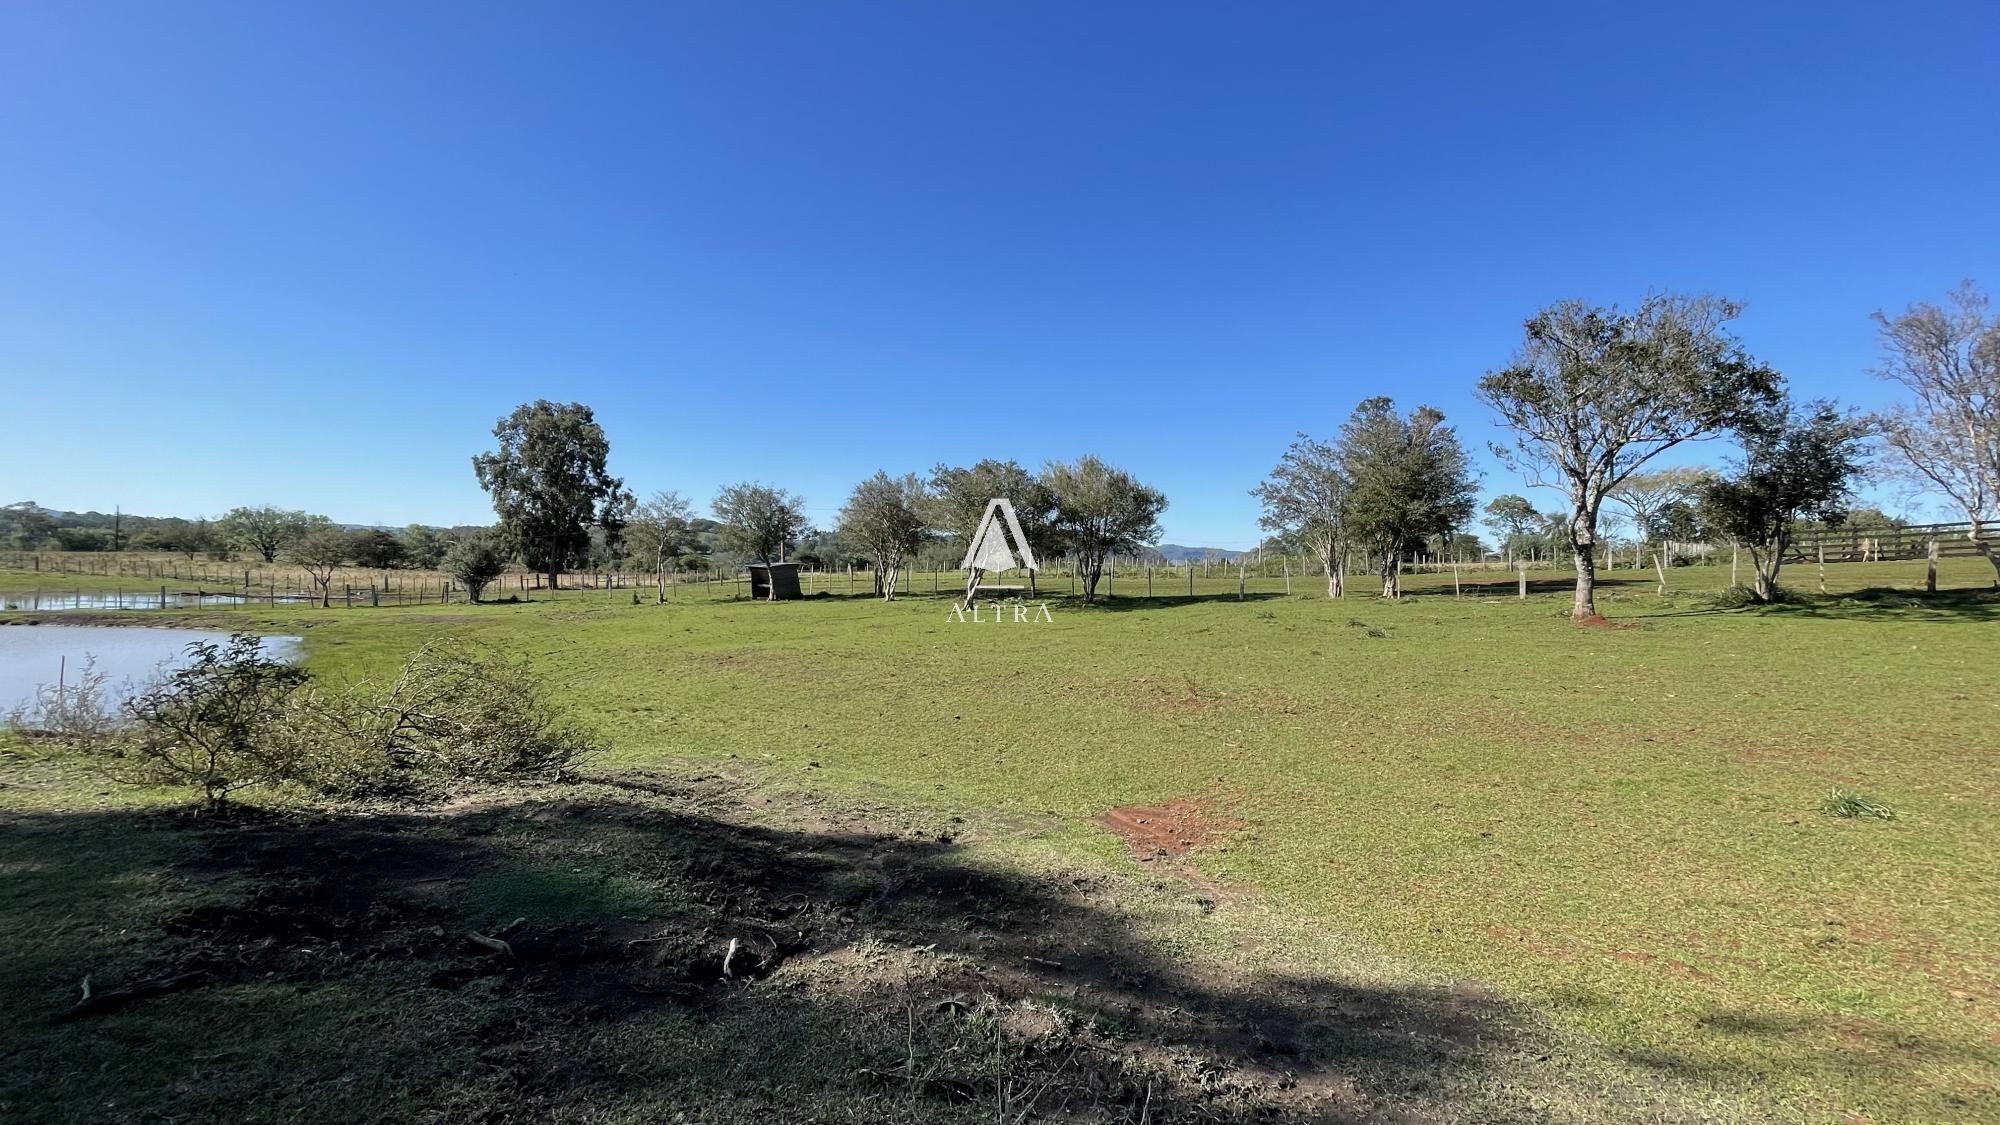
1617,827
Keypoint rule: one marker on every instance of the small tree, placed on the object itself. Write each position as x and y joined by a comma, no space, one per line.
321,552
661,530
215,722
474,562
1595,393
1796,466
1410,478
1100,511
1306,500
884,517
1948,439
1512,518
760,522
550,485
959,496
1646,495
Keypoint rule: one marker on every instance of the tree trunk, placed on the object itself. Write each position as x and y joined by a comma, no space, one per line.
1093,569
1392,574
1331,561
1766,561
1975,533
1660,567
1583,551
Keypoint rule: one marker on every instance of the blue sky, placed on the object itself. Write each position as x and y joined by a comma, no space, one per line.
307,254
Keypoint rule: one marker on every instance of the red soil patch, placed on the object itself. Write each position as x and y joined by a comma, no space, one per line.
1172,829
1599,621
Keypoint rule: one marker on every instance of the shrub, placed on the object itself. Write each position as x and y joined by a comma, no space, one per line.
452,716
474,562
217,722
80,715
1848,803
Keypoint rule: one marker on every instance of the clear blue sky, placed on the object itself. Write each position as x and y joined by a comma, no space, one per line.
307,254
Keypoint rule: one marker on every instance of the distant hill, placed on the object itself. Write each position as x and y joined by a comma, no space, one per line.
1175,553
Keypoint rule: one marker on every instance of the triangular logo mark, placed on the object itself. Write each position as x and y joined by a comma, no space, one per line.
990,549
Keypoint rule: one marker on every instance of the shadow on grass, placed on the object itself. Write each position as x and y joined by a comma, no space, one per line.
1878,603
647,953
1888,604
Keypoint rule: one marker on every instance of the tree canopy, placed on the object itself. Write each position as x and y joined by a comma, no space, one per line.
885,518
1306,500
1797,465
1947,438
1410,479
1594,393
759,521
550,484
1101,511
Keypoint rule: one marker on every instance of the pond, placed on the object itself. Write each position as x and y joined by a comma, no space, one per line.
43,601
34,655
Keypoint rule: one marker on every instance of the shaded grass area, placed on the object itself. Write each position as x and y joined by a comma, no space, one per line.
666,946
1618,830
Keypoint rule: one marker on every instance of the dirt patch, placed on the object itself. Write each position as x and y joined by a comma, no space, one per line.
1172,829
1599,621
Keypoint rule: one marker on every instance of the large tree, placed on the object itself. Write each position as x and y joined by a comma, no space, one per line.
759,522
1101,511
550,485
1305,500
885,517
1512,518
1410,480
1797,465
264,529
1948,438
375,549
662,529
959,497
1596,393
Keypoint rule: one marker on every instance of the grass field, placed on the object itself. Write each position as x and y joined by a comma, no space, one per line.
1612,836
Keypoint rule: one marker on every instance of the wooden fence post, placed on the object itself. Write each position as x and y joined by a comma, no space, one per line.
1930,568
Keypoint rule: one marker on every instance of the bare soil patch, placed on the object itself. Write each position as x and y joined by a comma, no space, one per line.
1172,829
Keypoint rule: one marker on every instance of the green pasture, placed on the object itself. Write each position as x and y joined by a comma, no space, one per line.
1619,827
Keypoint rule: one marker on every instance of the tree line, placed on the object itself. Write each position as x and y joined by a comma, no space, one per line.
552,491
1593,396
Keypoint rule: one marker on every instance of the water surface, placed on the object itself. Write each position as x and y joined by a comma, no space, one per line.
33,655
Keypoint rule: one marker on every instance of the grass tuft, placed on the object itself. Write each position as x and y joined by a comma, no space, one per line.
1847,803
